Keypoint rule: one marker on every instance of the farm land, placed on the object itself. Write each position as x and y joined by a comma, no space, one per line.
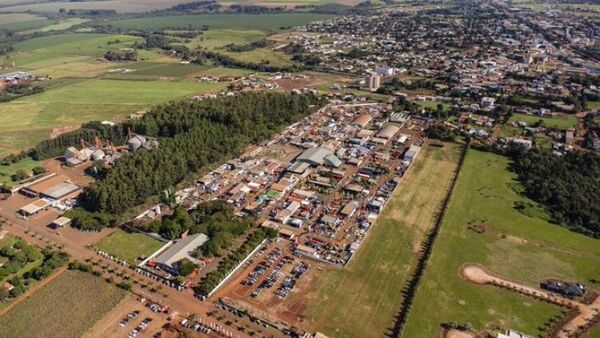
483,227
52,309
343,298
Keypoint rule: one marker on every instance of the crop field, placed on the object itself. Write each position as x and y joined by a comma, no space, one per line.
568,121
216,40
121,6
129,245
482,227
362,299
63,24
22,21
67,307
269,22
28,120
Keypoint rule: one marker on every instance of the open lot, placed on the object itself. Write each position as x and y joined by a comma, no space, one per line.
371,285
562,122
129,245
67,307
482,227
270,22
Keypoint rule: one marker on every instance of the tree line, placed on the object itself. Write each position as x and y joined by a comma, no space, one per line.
567,186
193,134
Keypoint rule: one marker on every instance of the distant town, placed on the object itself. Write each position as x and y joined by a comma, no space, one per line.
314,170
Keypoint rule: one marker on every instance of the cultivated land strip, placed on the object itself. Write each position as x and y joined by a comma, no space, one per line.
370,286
412,285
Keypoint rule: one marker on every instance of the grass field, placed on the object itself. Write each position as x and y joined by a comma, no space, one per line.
361,299
569,121
22,21
63,24
129,245
593,105
433,105
6,171
121,6
522,246
270,22
67,307
28,120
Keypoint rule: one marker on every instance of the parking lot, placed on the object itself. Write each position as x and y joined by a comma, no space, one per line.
122,321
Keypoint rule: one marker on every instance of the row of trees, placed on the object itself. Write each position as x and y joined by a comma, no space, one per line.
88,132
193,135
203,56
568,186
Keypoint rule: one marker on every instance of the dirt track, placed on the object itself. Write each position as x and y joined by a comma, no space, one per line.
583,316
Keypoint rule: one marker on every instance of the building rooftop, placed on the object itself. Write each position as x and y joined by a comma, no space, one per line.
182,248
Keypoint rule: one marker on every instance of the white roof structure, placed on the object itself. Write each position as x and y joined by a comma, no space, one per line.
182,248
60,190
513,334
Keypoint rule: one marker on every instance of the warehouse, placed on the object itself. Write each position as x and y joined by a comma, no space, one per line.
388,131
55,187
362,120
182,248
412,153
319,156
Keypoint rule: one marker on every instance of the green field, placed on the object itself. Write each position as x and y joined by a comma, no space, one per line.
271,22
7,171
22,21
433,105
63,24
593,105
129,245
67,307
121,6
28,120
518,245
371,285
565,122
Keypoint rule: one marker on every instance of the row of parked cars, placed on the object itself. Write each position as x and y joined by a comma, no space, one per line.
140,328
288,283
130,316
273,277
192,325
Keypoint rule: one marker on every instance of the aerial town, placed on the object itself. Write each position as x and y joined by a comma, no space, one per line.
308,169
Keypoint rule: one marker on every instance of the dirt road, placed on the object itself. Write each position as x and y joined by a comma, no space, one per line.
584,314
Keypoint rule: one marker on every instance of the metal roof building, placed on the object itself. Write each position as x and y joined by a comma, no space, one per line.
182,248
388,131
319,156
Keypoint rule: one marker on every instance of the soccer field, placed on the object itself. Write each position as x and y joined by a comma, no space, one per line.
129,245
522,246
371,285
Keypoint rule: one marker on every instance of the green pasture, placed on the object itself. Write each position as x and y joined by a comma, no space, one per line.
28,120
129,245
522,246
22,21
269,22
562,122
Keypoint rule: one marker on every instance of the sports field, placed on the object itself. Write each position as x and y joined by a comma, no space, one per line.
271,22
28,120
67,307
129,245
361,299
481,226
563,122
